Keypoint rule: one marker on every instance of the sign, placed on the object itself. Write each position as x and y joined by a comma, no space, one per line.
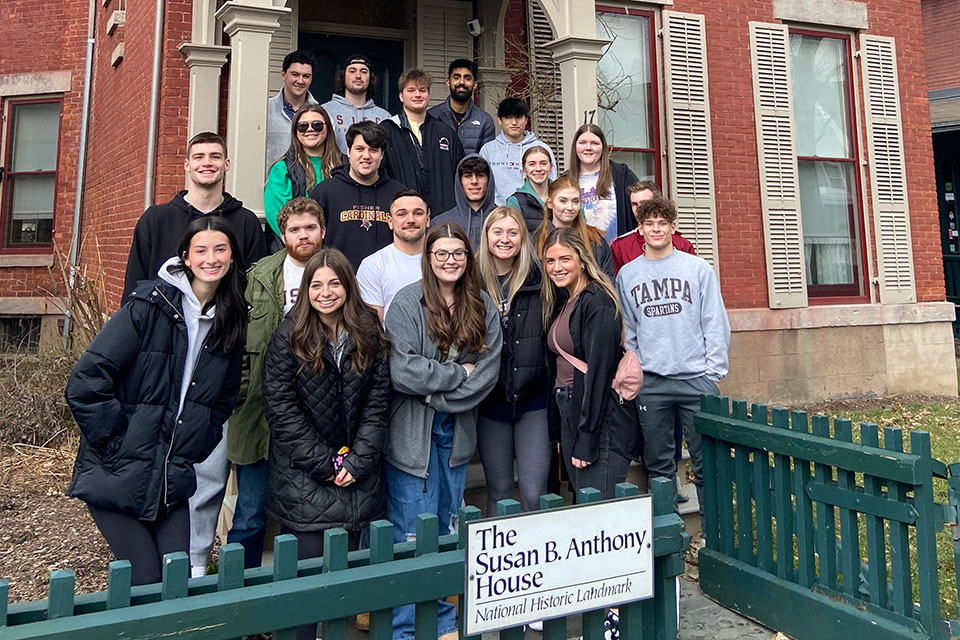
557,562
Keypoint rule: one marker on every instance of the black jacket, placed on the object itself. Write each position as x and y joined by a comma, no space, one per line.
124,393
356,214
623,177
601,253
596,333
311,416
430,168
532,210
523,360
161,226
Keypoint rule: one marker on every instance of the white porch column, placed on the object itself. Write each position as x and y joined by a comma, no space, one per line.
250,25
203,106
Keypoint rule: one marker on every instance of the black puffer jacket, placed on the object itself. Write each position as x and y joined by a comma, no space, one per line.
523,360
597,335
311,416
124,393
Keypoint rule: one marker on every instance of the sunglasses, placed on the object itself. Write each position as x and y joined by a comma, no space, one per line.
303,127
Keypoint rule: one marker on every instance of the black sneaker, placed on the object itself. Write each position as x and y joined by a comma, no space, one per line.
611,626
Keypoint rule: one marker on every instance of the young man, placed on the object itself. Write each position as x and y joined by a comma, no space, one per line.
423,153
505,152
297,73
272,287
676,322
629,245
352,100
357,196
395,266
475,188
472,124
158,230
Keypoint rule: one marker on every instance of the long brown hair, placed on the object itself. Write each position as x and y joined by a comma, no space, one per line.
330,159
605,179
572,240
310,334
466,326
522,263
591,235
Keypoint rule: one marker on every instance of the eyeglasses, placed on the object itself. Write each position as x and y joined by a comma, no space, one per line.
303,127
458,256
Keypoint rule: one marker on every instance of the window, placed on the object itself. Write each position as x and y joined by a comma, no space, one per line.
29,173
827,164
627,89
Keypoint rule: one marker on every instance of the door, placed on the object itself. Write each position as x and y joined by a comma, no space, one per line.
946,159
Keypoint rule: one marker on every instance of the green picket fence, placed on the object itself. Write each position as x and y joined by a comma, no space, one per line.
236,603
808,530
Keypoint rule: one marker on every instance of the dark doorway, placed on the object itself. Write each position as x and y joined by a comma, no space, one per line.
946,157
386,57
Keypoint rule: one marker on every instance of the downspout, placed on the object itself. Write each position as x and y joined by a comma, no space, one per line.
154,104
81,162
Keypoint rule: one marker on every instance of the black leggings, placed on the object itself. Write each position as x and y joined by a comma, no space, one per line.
310,545
144,543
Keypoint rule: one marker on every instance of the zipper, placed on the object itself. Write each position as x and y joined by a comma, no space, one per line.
425,481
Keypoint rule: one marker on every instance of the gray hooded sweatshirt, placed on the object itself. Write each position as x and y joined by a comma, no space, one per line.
506,162
343,114
463,214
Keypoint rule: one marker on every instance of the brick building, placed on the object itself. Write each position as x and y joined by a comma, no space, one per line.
794,136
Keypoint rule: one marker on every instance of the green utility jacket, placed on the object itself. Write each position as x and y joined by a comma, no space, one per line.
248,435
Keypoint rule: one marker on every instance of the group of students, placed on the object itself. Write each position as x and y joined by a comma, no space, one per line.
363,362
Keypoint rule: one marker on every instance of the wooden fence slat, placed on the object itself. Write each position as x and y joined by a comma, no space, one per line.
468,513
665,583
782,508
555,629
176,572
631,614
806,570
876,544
740,410
826,529
285,568
335,549
762,496
711,507
849,519
4,594
899,535
742,469
591,621
510,507
381,550
119,574
60,594
230,567
928,580
725,498
425,618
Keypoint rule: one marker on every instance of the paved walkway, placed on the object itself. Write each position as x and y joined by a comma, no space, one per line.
702,618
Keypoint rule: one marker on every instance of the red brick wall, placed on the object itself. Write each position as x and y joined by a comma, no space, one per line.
119,131
941,24
40,37
741,248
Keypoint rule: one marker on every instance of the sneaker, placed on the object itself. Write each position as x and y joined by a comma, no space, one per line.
536,625
611,626
681,497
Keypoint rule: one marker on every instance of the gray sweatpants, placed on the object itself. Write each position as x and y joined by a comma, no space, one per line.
206,501
660,402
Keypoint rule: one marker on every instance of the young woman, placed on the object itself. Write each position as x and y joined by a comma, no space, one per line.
513,419
563,210
326,391
603,183
445,359
530,198
151,395
599,435
312,155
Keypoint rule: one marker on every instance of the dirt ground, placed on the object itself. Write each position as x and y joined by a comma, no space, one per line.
42,530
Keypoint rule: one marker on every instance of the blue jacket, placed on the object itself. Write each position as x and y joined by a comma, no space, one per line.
476,130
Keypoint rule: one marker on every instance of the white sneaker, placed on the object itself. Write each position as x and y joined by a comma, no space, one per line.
197,572
536,625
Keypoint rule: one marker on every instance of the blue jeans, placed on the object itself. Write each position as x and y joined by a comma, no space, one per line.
440,493
249,518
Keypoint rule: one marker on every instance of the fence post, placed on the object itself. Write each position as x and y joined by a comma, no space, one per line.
60,594
381,550
425,616
876,544
119,574
783,511
631,614
555,629
762,493
591,621
899,536
665,571
4,592
176,572
335,559
929,586
285,568
849,520
826,530
466,515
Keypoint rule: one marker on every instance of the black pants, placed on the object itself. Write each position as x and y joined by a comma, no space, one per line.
144,543
310,545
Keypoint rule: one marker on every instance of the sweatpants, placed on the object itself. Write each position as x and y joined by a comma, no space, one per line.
660,403
206,501
142,542
525,439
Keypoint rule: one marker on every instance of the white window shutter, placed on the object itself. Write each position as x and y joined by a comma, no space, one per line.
888,179
776,151
284,41
442,38
689,139
546,105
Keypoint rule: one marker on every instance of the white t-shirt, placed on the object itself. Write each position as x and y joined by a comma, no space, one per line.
292,274
599,212
385,272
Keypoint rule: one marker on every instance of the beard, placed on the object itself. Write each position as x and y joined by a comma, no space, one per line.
303,254
460,94
411,235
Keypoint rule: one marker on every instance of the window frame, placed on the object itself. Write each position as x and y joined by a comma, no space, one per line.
653,105
6,148
859,291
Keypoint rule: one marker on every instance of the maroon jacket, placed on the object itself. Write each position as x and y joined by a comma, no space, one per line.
629,247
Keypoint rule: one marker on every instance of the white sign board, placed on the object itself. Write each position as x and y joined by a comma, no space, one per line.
557,562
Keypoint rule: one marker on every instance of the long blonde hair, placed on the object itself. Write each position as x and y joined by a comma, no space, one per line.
569,238
522,263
